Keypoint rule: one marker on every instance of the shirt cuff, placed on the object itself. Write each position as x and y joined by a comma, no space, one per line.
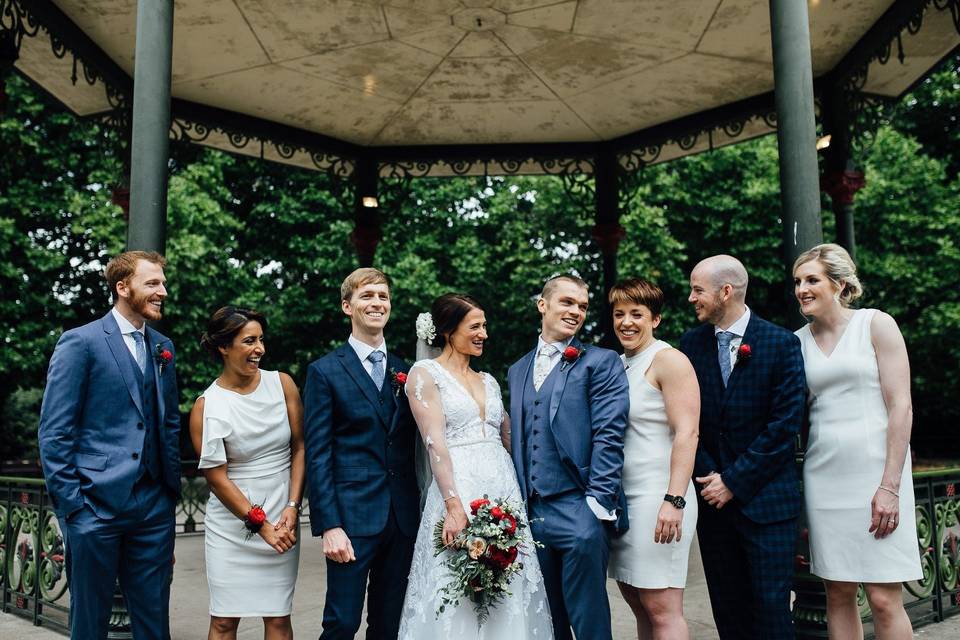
599,511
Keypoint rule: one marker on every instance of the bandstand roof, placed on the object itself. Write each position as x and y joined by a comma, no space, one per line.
310,82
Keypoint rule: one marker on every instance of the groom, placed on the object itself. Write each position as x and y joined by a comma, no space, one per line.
569,405
359,436
110,448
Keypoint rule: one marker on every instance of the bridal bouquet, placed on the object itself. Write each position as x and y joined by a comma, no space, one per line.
483,558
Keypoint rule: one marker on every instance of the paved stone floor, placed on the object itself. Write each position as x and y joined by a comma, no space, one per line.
189,602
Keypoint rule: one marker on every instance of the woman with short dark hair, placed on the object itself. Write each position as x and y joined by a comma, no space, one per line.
649,562
247,430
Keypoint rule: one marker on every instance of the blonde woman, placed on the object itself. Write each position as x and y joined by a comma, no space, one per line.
857,480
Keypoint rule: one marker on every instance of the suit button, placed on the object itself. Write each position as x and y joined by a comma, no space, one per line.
533,477
536,417
139,425
135,456
536,403
381,400
535,432
535,447
393,473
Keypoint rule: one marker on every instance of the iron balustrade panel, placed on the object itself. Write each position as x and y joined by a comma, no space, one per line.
933,598
33,580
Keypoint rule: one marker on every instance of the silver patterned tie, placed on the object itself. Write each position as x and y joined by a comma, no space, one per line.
377,373
724,338
141,351
541,368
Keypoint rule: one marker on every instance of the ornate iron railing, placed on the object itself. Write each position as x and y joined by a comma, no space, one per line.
933,598
33,579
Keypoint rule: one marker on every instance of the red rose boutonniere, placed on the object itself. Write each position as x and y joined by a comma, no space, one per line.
397,379
570,355
744,353
163,357
254,519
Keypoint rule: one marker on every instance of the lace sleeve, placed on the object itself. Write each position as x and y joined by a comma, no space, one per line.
424,397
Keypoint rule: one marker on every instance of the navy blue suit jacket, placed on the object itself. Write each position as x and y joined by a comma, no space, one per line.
359,450
748,430
588,418
91,420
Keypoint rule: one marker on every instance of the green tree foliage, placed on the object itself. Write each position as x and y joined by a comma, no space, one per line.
247,232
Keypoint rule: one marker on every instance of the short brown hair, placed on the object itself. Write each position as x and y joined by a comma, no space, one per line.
123,266
637,291
551,284
360,277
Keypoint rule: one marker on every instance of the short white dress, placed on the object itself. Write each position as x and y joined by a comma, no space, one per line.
251,434
635,558
846,452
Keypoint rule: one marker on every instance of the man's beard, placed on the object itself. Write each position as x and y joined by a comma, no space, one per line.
142,307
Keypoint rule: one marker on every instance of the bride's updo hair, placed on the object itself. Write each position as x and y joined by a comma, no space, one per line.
224,325
448,312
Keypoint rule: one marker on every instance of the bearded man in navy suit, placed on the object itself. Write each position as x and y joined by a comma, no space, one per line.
110,449
360,437
752,390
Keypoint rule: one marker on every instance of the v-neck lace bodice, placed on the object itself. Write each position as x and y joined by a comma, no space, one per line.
464,420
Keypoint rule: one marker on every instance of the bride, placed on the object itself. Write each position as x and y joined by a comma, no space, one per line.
465,431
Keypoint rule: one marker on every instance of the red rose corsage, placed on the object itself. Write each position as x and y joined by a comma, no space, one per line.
397,379
163,357
744,353
254,519
570,355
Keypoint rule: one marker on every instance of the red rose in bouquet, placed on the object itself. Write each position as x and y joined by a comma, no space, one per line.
511,523
476,504
502,558
497,513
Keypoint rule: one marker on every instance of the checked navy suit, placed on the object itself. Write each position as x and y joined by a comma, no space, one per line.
360,476
567,444
748,434
110,449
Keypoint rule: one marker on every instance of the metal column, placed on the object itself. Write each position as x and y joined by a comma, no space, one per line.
149,148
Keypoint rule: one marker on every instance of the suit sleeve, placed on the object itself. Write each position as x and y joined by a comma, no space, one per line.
609,405
703,462
318,443
765,456
60,412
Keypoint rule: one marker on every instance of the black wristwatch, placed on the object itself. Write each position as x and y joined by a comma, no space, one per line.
676,501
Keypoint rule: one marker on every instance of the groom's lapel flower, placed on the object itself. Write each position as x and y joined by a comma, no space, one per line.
397,379
570,355
163,357
744,353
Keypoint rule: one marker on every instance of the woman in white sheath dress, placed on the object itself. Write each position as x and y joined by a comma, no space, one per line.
858,486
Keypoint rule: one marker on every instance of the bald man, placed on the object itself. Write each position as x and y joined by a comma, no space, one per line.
752,391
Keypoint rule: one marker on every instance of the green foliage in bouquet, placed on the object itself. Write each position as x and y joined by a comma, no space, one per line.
484,556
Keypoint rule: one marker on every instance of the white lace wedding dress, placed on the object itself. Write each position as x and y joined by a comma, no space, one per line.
468,460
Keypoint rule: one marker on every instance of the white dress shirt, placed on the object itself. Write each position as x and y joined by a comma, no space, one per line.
363,351
127,329
738,328
595,507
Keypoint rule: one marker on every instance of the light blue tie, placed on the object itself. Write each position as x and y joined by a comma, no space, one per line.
723,354
376,357
141,351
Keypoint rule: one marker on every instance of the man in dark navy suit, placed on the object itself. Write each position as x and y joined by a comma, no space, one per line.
752,391
110,448
359,437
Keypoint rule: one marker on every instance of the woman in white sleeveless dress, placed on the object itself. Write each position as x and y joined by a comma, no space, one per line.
465,431
649,562
247,429
858,486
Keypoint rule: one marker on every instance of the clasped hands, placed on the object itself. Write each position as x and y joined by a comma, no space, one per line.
714,491
282,535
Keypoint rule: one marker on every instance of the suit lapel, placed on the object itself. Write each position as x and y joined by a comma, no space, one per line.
122,355
563,370
736,372
153,339
351,363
